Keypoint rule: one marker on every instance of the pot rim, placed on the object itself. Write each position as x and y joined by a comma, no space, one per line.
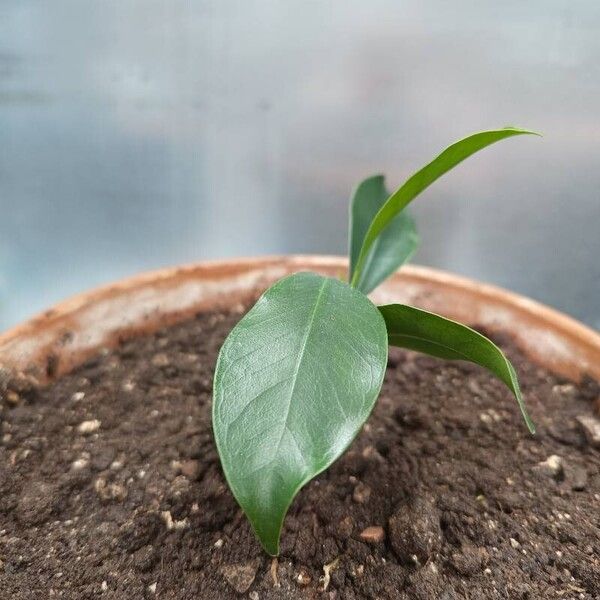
58,339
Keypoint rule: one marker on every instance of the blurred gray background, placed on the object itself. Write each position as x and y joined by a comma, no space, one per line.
141,133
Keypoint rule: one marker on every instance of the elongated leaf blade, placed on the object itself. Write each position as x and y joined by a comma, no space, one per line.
449,158
394,246
295,381
426,332
367,198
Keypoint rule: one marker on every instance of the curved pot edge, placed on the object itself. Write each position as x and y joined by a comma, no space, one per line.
58,339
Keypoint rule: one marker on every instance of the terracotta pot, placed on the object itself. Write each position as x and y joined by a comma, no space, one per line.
61,338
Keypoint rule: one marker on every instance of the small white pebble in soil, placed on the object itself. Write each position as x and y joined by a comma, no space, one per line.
110,491
485,418
218,543
359,571
12,398
160,360
104,586
371,453
152,588
495,415
141,474
361,493
168,519
303,578
78,396
128,386
566,388
552,466
591,429
171,524
116,465
254,596
514,543
89,426
80,463
487,571
154,413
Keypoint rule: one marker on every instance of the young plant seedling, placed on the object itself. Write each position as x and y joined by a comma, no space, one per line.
298,376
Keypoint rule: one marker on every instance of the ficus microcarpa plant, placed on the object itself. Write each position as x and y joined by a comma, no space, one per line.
298,376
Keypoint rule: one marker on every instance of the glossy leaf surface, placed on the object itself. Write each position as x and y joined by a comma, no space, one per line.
295,381
392,248
449,158
426,332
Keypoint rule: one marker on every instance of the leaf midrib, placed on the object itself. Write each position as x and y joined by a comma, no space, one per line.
394,336
299,362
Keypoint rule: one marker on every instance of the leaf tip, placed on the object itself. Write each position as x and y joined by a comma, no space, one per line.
371,179
528,421
523,131
530,425
271,549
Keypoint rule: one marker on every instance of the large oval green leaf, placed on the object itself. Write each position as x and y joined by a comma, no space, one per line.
419,330
394,245
295,381
448,159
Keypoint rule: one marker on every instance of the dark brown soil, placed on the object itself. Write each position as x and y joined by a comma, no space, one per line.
110,487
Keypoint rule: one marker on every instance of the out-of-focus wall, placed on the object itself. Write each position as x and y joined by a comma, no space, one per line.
138,134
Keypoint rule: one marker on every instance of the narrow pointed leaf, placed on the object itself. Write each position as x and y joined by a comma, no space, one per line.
449,158
394,246
295,381
426,332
